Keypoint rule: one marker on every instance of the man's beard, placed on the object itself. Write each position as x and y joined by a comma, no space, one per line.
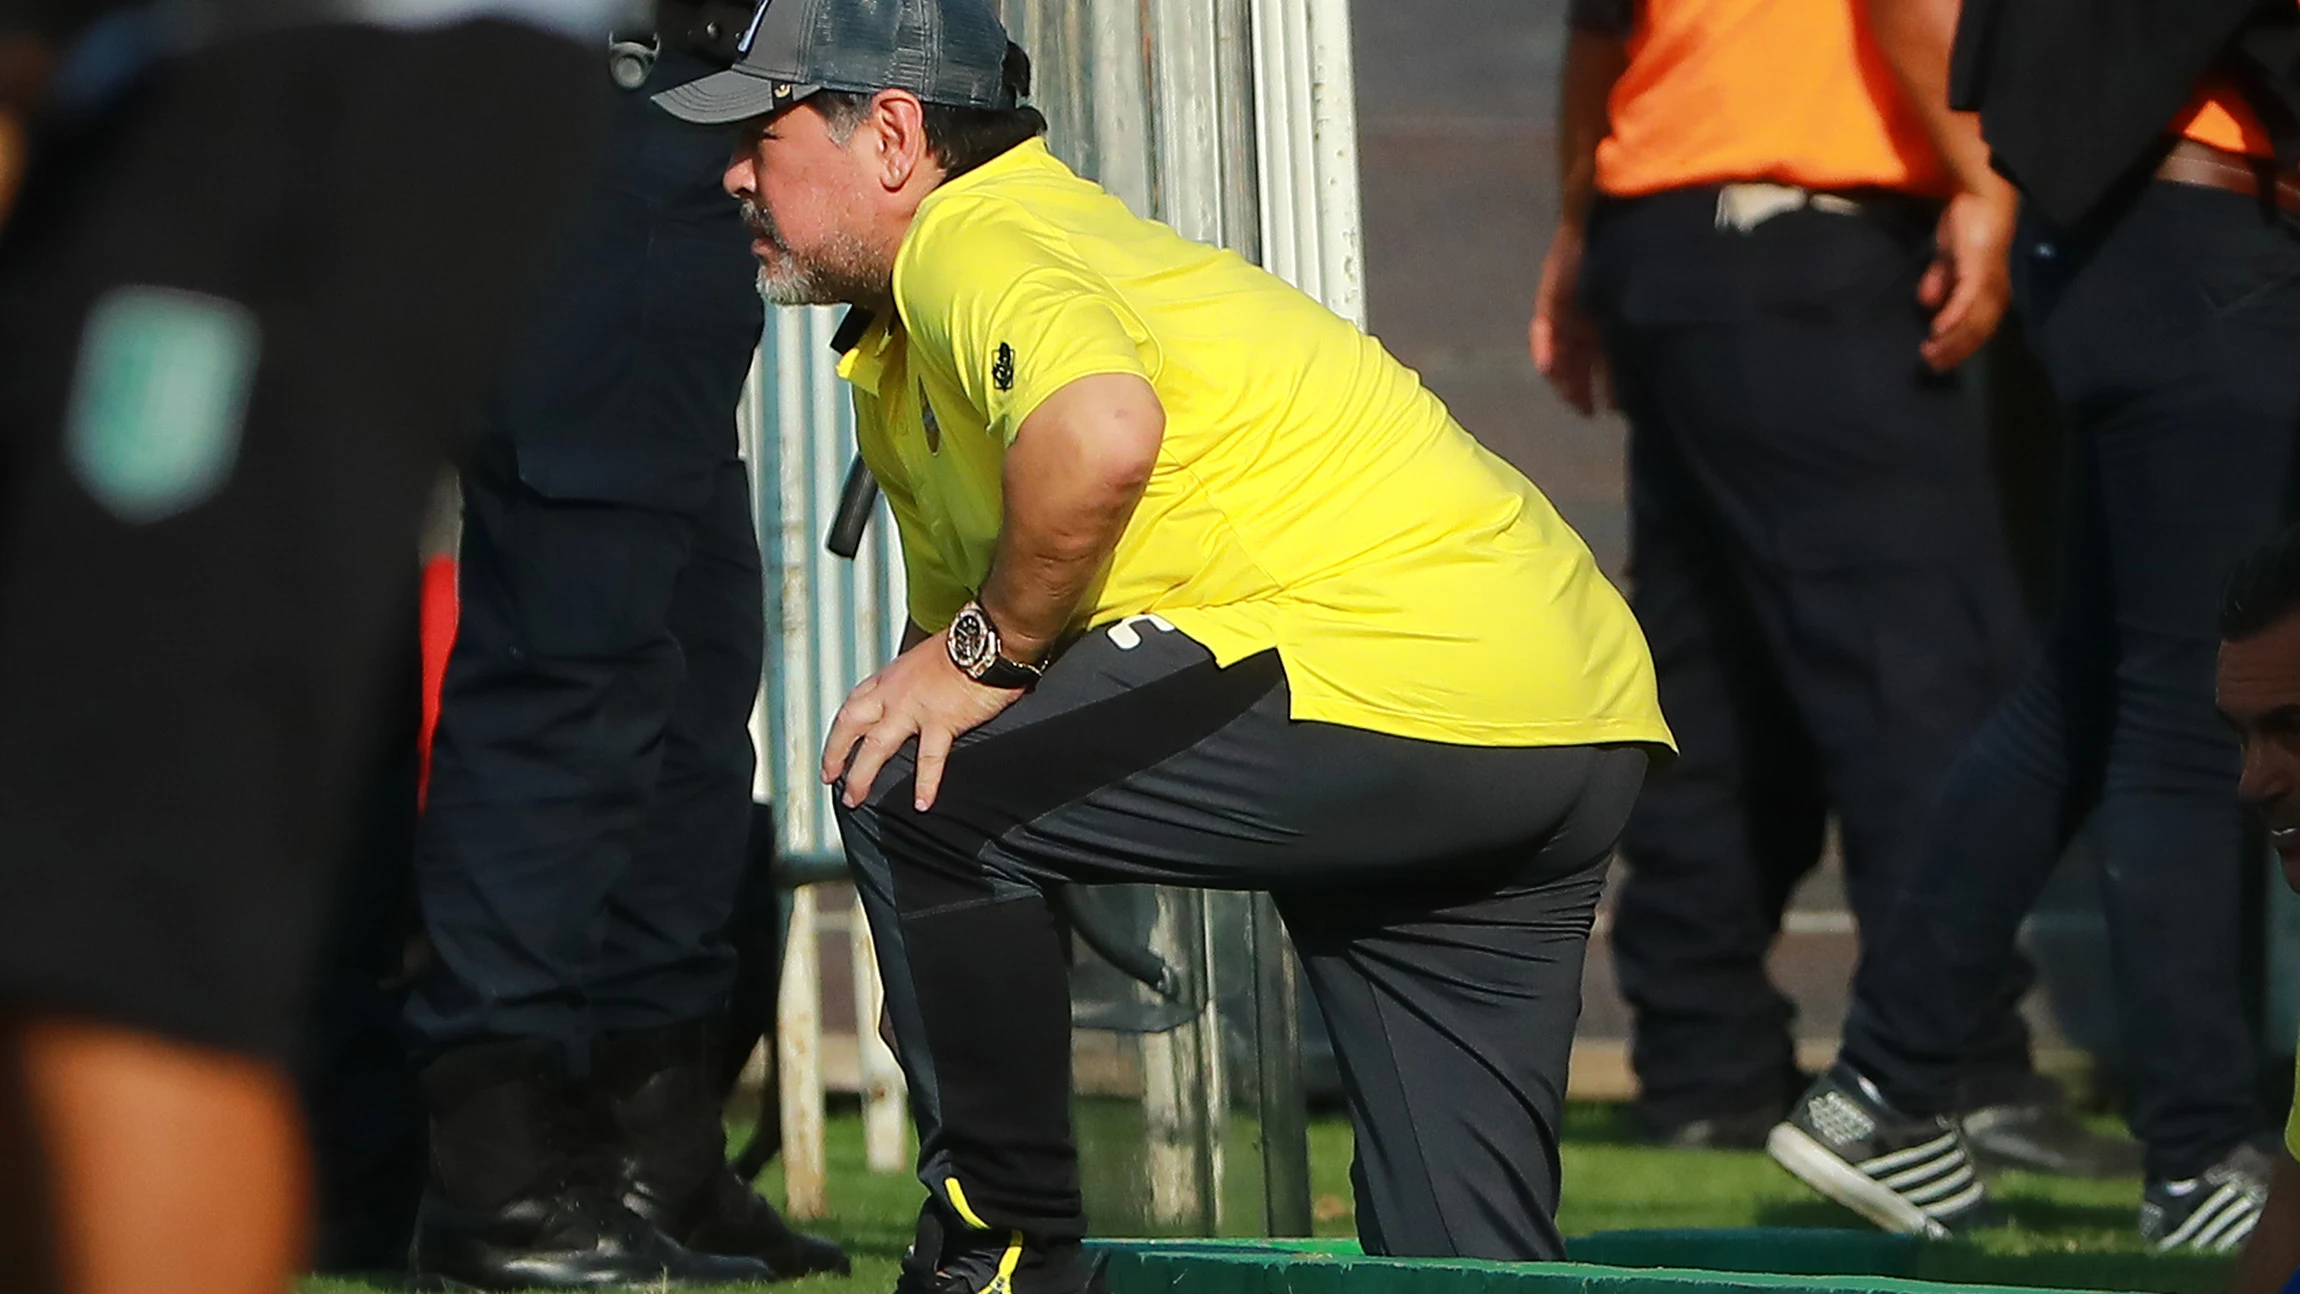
841,273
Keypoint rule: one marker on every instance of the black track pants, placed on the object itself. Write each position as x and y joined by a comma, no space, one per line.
1440,896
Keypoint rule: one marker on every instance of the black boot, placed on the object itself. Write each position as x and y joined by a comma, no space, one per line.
663,1100
519,1200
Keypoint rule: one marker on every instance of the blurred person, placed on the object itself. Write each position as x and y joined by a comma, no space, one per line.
2157,267
355,1080
2258,691
258,267
1205,589
589,805
1777,257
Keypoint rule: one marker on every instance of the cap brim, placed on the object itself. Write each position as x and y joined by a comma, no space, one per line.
730,96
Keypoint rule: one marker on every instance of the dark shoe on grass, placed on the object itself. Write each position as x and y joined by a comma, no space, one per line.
519,1196
1741,1124
2212,1212
662,1104
1906,1173
2042,1135
1739,1130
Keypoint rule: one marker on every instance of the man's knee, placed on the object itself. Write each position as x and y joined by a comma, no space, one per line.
926,860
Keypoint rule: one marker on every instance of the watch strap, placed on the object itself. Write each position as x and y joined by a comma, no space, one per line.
1002,672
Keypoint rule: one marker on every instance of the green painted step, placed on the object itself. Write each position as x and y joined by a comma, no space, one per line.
1778,1260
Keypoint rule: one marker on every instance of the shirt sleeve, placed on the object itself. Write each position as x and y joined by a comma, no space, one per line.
1015,313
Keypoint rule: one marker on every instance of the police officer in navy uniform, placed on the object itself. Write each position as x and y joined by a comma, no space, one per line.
590,792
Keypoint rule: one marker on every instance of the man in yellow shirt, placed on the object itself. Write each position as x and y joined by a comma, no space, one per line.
2256,687
1206,589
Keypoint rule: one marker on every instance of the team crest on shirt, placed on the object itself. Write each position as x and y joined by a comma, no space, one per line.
926,417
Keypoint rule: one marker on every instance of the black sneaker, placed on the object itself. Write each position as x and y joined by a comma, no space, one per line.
2024,1122
2041,1137
2212,1213
1903,1172
953,1258
1739,1130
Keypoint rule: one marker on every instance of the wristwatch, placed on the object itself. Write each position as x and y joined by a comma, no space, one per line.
974,647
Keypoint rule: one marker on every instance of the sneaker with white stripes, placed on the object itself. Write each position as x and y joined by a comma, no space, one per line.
1906,1173
2211,1213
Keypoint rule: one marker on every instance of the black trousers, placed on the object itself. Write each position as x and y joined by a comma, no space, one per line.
591,779
1818,564
591,773
217,432
1440,897
2172,336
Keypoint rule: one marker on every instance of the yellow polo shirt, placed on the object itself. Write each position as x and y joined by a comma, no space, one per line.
1310,495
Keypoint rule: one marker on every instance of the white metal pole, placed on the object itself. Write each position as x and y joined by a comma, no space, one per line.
1334,167
798,1056
886,1114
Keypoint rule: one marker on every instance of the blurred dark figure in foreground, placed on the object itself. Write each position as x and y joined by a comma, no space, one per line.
353,1072
1780,256
2258,690
258,269
590,801
2158,269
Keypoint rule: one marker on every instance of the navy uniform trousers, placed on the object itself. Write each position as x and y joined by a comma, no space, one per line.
590,794
1817,558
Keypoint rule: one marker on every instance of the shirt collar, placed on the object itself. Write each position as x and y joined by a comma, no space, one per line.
1029,155
865,362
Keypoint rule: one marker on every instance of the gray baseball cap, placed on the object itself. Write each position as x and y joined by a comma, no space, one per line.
944,51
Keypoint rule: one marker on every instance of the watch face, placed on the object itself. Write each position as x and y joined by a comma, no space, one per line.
972,643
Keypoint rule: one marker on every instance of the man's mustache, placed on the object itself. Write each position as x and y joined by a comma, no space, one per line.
762,225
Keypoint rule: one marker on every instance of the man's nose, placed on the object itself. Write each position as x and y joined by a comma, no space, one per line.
737,179
2269,775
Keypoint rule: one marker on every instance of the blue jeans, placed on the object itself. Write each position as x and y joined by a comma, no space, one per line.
2172,337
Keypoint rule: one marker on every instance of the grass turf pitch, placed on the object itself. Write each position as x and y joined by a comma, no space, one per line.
2063,1233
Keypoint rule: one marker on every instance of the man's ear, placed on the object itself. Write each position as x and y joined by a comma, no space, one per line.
898,127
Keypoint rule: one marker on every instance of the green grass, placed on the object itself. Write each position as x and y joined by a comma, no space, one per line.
2065,1233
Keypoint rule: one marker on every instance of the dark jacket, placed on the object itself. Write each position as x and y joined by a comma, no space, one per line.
2076,96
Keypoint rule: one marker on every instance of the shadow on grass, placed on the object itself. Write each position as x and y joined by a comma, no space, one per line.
1589,1123
1814,1212
2009,1256
2026,1213
2032,1214
1959,1263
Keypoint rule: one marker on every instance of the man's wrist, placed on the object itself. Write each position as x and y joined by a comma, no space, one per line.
1968,160
1020,645
977,645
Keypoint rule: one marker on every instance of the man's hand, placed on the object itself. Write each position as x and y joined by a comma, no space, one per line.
919,694
1565,344
1970,280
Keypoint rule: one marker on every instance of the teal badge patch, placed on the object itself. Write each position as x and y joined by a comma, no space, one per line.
160,399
